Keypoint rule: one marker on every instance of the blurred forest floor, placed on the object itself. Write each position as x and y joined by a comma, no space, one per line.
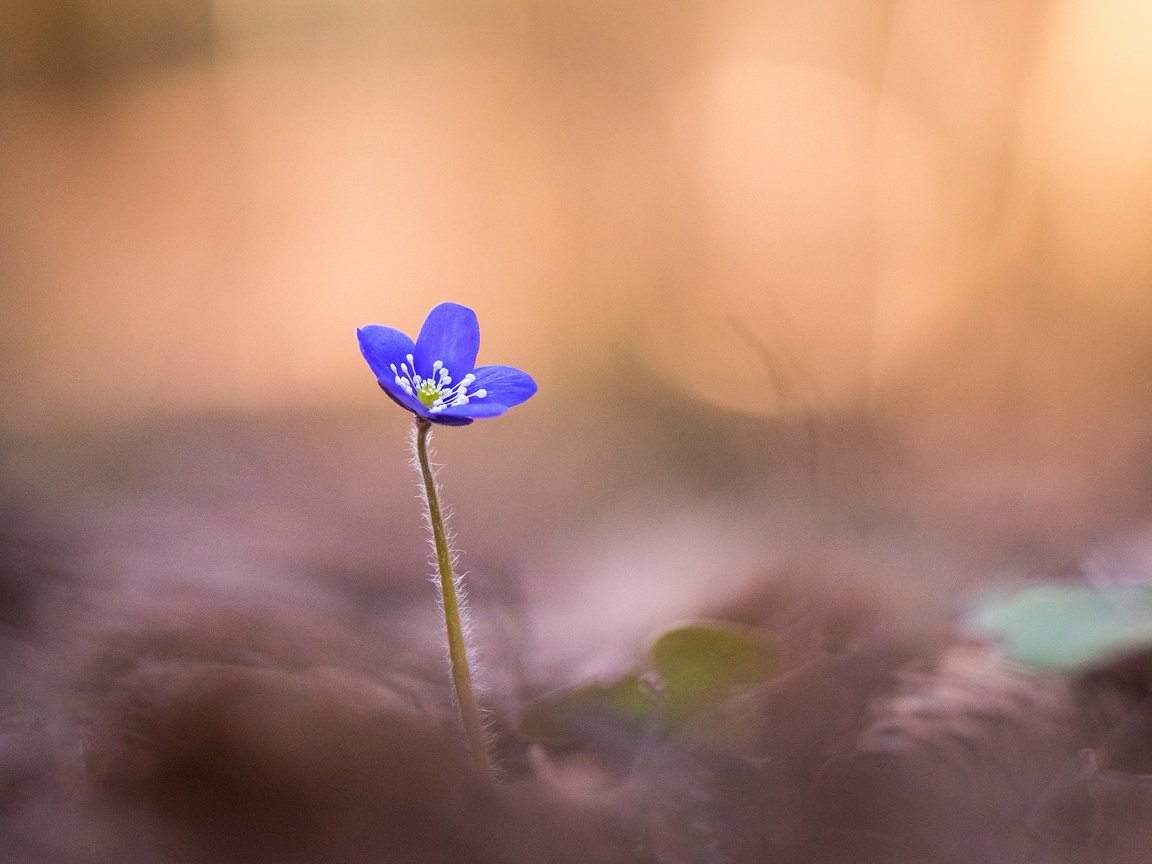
840,315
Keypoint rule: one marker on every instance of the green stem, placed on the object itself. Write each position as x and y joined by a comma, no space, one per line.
457,652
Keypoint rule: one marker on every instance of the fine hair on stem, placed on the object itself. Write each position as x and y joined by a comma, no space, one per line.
452,602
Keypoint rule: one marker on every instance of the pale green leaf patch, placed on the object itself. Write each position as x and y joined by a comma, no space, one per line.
1067,628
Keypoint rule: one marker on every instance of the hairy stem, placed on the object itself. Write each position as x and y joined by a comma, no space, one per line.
457,652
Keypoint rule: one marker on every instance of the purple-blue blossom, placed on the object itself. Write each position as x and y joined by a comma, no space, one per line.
436,377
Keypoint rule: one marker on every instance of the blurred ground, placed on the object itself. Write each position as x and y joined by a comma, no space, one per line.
843,300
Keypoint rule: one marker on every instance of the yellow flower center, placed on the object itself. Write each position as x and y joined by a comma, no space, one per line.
437,392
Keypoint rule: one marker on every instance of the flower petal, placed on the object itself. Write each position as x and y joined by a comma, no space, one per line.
446,419
398,395
383,346
414,405
450,334
473,410
505,385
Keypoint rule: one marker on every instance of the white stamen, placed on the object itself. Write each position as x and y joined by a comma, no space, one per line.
437,387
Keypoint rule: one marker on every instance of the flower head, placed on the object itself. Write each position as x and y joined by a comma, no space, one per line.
436,376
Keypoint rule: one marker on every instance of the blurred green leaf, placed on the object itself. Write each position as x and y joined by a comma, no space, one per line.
611,714
702,665
1059,628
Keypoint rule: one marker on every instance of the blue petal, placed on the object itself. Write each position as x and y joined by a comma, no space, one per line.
401,398
383,346
505,385
450,334
416,407
471,411
449,419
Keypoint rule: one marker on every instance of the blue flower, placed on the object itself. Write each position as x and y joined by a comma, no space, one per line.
436,376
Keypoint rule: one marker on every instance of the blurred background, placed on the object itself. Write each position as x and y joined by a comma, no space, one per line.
841,316
838,287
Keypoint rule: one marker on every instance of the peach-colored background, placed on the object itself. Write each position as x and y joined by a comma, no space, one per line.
773,207
773,232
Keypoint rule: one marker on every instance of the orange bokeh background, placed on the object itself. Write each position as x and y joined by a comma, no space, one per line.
791,208
878,272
